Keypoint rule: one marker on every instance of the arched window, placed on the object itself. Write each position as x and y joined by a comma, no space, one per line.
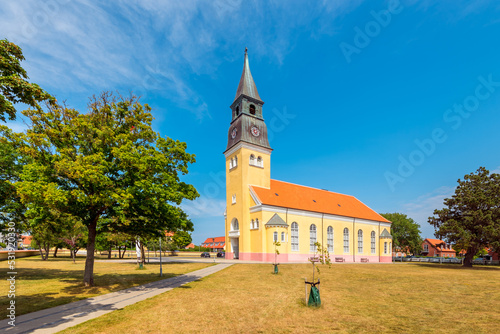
275,236
295,236
253,224
260,162
360,241
252,160
282,236
373,242
257,223
329,238
312,238
237,110
233,199
235,161
252,109
234,225
346,240
385,247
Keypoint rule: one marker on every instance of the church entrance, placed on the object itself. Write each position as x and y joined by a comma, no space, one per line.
235,243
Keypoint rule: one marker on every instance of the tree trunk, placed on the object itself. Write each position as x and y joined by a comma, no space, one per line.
73,254
471,251
143,256
55,252
109,252
41,252
46,250
88,277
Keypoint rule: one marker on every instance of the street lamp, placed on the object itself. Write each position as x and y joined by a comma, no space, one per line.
161,269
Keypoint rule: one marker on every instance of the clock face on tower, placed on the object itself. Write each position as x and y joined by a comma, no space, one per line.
255,131
233,133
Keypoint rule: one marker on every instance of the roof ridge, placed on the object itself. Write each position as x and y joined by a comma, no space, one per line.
300,185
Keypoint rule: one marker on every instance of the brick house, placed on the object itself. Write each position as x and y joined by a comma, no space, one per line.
215,244
436,247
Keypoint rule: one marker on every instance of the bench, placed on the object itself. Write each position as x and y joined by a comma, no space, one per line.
339,259
364,259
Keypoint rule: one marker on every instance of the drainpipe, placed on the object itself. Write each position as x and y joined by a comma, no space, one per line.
378,242
353,240
322,231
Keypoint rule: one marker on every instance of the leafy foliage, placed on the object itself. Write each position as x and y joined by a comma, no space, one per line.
14,88
405,232
106,166
471,218
181,239
11,164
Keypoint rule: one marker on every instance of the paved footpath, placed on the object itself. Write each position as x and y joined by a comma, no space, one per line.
56,319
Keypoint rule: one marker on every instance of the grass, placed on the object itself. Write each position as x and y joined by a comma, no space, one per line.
356,298
43,284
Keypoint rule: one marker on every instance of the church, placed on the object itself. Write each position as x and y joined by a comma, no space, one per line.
261,210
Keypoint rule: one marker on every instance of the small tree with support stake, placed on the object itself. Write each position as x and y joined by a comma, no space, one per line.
322,256
276,253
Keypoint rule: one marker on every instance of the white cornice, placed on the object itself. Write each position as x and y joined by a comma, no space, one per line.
249,146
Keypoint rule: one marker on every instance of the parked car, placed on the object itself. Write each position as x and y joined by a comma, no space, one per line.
221,254
205,254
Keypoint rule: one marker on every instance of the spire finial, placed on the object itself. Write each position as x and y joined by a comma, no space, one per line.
246,49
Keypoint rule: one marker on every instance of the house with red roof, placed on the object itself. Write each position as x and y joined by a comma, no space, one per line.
436,247
216,244
264,216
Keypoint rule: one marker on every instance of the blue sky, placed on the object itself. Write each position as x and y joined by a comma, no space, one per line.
389,101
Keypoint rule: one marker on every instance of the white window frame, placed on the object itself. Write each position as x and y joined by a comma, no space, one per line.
346,240
360,241
275,236
385,247
282,236
295,237
312,238
329,238
373,244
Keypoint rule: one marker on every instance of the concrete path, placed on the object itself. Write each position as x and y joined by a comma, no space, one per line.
55,319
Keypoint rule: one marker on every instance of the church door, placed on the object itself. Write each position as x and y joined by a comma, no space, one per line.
235,246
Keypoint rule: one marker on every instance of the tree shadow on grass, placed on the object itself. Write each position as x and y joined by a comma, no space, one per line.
457,266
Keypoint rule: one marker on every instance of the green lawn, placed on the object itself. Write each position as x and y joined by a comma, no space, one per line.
43,284
357,298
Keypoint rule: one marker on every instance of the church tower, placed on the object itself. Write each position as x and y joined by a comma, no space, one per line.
248,162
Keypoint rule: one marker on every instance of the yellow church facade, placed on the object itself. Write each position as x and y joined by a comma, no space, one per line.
261,210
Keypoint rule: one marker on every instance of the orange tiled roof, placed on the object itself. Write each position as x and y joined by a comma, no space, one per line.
436,242
293,196
218,240
26,239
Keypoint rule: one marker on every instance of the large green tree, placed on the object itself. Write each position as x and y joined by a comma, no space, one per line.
405,232
181,239
105,165
11,164
471,217
14,87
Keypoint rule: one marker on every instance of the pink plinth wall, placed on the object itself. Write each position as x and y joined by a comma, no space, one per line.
296,257
386,259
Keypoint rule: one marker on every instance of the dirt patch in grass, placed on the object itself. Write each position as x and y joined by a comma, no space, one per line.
371,298
43,284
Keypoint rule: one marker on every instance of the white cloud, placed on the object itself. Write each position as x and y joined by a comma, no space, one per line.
204,207
84,46
421,208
